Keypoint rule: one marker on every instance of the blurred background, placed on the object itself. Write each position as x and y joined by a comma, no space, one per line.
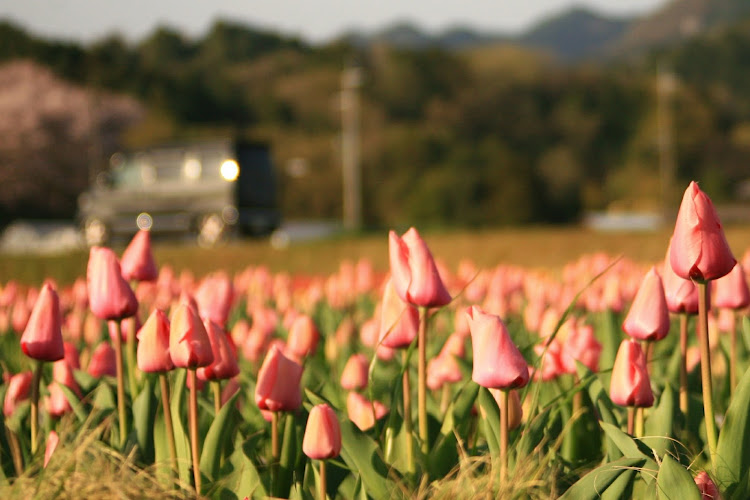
389,116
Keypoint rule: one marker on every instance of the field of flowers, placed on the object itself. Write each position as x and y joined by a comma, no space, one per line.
610,379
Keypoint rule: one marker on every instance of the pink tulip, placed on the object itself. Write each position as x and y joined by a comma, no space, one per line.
52,441
699,249
215,298
648,318
303,337
57,403
415,275
498,363
153,344
189,346
581,345
19,388
278,386
322,434
515,410
681,294
71,356
399,321
630,385
551,365
355,374
42,338
707,487
102,361
224,365
362,413
110,296
731,291
138,261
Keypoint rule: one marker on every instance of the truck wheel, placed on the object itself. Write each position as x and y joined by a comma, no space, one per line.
95,232
211,230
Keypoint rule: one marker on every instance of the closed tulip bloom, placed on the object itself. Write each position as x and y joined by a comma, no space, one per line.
630,384
57,403
415,275
189,346
515,410
303,337
110,296
278,386
648,318
498,363
18,390
138,260
322,434
215,297
153,344
399,321
71,355
707,487
699,249
551,365
581,345
731,291
354,376
42,338
681,294
52,441
224,365
102,361
20,316
63,373
360,411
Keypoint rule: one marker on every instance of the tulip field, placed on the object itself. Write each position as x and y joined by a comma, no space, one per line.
606,375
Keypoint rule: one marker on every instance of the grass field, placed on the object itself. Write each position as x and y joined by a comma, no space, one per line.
536,247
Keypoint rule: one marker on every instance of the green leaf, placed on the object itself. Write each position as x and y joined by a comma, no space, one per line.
104,397
674,482
290,449
594,484
660,423
620,487
240,475
75,403
629,447
490,418
218,439
144,414
732,460
181,440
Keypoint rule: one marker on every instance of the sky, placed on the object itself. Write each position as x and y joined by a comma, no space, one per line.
315,21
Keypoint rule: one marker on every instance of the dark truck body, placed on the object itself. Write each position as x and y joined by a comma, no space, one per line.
211,189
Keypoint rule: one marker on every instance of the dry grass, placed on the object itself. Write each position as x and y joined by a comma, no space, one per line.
537,247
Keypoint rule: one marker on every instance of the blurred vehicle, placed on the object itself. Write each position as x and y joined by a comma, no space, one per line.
210,189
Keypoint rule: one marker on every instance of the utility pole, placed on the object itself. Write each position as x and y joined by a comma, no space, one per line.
665,86
351,173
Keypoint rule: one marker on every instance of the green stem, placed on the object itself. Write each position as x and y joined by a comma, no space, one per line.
639,422
120,383
733,354
445,398
216,386
15,451
708,405
503,437
408,431
168,421
683,363
323,485
631,420
193,417
130,349
35,406
275,454
422,380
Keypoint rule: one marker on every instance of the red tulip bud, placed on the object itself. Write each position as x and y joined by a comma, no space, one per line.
355,374
415,275
153,344
52,440
361,411
322,434
18,390
110,296
648,318
189,346
399,321
103,361
303,337
731,291
138,260
630,384
224,365
278,386
707,487
42,338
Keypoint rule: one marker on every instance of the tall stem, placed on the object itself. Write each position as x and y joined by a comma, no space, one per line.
422,380
323,485
445,397
35,406
503,436
168,421
733,353
631,420
193,417
683,363
408,436
708,405
130,348
120,382
15,451
216,386
274,450
639,422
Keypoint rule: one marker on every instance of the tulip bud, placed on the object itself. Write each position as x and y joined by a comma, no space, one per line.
630,384
355,374
399,321
360,411
110,296
681,294
303,337
138,260
648,318
415,275
581,345
18,390
224,365
699,249
42,338
322,434
278,386
52,440
153,344
189,346
731,291
215,297
707,487
498,363
103,361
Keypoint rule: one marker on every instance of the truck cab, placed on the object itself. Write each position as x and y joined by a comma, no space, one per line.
209,189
